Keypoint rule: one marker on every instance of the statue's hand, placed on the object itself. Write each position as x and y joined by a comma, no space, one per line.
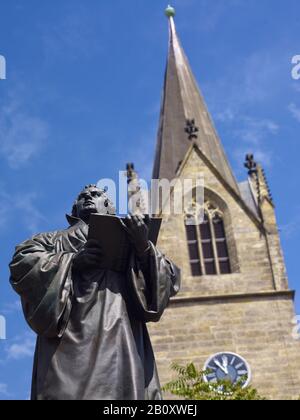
89,257
138,233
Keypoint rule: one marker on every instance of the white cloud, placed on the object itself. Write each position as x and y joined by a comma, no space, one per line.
251,130
225,116
21,347
249,80
24,203
22,135
246,83
254,130
19,203
252,135
259,75
264,157
295,111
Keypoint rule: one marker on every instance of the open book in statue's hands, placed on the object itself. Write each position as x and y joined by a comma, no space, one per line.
114,241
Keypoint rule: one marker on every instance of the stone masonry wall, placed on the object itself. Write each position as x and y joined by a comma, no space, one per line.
258,328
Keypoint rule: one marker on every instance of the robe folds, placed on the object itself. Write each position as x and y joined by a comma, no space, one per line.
92,339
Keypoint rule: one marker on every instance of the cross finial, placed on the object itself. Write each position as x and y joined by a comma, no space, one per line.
250,164
191,129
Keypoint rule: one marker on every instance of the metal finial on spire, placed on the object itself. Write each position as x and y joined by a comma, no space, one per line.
170,11
250,164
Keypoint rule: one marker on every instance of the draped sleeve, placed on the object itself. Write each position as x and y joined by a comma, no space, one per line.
42,277
150,285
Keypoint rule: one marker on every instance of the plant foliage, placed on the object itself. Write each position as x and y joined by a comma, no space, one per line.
190,384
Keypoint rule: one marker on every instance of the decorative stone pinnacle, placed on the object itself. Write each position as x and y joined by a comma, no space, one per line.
130,172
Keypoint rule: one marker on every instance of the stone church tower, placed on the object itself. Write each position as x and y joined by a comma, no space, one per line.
235,297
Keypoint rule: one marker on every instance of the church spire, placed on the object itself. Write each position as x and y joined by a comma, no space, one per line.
184,118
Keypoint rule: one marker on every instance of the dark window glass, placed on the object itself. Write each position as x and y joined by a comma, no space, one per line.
210,267
207,246
193,245
207,249
191,232
196,270
222,249
219,228
205,230
225,267
194,251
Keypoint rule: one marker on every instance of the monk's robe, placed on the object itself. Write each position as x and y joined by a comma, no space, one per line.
92,339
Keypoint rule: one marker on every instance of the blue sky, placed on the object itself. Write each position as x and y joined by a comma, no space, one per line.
82,98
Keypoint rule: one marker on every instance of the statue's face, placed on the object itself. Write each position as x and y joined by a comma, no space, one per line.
93,200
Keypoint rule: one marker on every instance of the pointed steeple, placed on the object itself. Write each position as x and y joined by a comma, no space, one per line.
184,118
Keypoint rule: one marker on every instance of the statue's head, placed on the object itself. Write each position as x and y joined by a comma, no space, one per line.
92,200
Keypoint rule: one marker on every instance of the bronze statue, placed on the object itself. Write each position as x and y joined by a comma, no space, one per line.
92,339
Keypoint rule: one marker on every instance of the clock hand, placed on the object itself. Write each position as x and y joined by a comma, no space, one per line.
225,363
220,366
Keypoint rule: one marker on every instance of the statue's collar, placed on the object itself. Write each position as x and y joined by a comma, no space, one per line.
72,220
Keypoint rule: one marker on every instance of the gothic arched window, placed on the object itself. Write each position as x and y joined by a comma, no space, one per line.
221,245
193,245
207,243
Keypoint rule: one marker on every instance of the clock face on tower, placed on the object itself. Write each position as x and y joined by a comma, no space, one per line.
228,366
